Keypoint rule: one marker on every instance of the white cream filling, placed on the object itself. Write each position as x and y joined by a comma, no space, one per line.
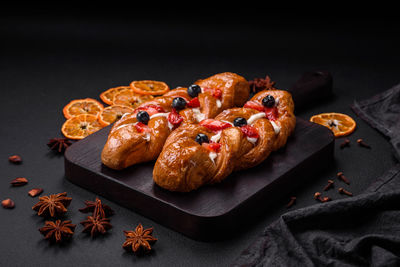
228,122
252,140
123,116
170,125
212,156
255,117
219,103
198,115
277,128
146,137
215,138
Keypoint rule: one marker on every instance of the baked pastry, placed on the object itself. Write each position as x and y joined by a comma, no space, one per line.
140,136
238,138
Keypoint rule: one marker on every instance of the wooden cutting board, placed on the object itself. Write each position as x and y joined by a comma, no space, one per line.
212,212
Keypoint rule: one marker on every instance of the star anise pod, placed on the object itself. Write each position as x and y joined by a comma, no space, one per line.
59,144
139,240
96,225
97,208
259,84
57,231
52,205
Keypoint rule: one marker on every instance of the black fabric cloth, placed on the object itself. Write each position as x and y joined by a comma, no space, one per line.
383,113
363,230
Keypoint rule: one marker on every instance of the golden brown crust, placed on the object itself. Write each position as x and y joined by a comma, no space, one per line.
125,146
287,119
183,159
183,164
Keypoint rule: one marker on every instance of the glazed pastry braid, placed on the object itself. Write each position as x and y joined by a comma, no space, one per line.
238,138
139,136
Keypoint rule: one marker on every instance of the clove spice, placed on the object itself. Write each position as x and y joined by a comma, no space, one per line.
343,191
326,199
362,143
341,176
346,143
291,202
329,185
317,196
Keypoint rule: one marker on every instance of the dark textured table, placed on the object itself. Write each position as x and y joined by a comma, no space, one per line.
46,61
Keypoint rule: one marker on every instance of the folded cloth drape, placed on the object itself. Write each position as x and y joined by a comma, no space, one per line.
360,231
382,112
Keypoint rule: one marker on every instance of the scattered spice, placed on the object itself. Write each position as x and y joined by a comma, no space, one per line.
346,143
96,225
329,185
259,84
59,144
15,159
8,204
97,208
52,205
341,176
343,191
139,240
326,199
57,231
362,143
317,196
35,192
20,181
291,202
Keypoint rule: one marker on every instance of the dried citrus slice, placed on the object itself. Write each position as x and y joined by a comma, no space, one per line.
82,106
80,126
340,124
113,113
108,95
130,99
149,87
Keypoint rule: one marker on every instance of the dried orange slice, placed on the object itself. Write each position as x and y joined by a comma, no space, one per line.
149,87
82,106
130,99
340,124
108,95
80,126
113,113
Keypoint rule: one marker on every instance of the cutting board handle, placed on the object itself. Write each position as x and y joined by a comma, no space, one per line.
312,87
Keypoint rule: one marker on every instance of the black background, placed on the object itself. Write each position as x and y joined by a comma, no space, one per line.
51,56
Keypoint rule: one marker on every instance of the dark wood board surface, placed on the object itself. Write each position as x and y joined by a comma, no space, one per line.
220,208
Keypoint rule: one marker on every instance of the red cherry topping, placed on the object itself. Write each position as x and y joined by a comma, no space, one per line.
141,127
254,105
249,131
215,92
212,147
194,103
151,109
174,118
271,113
215,125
